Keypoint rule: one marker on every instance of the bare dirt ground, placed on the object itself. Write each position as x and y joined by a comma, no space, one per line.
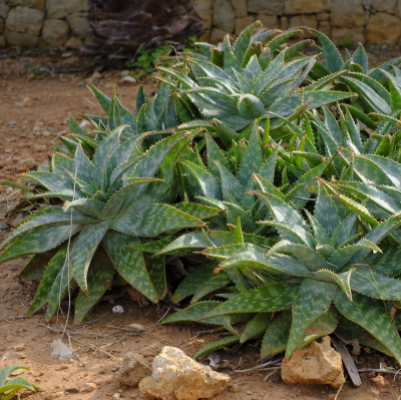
32,112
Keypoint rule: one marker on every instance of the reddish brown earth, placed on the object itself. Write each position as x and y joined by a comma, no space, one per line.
31,112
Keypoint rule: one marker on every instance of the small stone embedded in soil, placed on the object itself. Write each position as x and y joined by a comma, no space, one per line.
114,369
139,327
20,347
116,396
65,366
90,387
74,389
315,364
177,376
52,396
22,356
235,388
380,381
133,369
248,392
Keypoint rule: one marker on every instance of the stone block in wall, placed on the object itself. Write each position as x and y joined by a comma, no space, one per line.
73,43
21,39
61,8
273,7
242,23
383,28
223,16
205,10
305,6
324,27
84,5
4,9
356,35
2,41
240,8
217,35
384,5
397,9
25,20
78,24
268,21
308,20
27,3
55,32
284,23
347,14
323,16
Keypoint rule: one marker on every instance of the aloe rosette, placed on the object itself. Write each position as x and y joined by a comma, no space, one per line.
109,203
320,270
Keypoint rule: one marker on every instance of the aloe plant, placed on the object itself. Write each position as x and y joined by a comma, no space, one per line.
320,270
10,387
110,202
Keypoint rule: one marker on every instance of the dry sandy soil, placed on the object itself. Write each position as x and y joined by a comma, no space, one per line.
31,112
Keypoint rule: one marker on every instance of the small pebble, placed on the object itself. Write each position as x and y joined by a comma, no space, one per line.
90,387
235,388
134,396
65,366
73,390
102,371
114,369
112,301
22,356
248,392
139,327
38,380
20,347
41,373
116,396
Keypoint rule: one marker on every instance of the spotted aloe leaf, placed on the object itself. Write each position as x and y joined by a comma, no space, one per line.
130,264
264,299
39,242
369,283
252,160
325,211
63,283
277,334
307,256
36,266
45,221
156,266
369,314
344,254
277,264
342,280
52,269
322,326
195,313
314,300
194,281
84,249
256,327
201,182
211,347
101,271
144,219
215,282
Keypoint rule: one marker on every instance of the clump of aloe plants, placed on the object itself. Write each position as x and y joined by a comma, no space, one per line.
279,172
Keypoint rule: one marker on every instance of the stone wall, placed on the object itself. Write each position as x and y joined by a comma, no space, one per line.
51,23
365,21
